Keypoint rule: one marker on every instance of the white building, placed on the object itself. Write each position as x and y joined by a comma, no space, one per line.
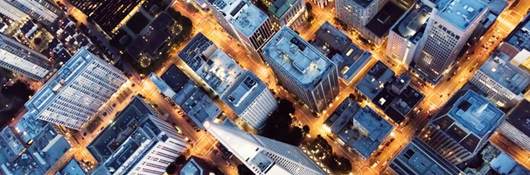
240,89
446,34
250,99
404,36
244,21
357,13
263,156
75,93
141,142
40,10
23,60
302,69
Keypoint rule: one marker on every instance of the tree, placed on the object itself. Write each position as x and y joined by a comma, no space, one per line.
340,165
243,170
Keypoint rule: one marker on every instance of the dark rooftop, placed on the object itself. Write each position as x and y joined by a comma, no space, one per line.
123,126
519,117
384,19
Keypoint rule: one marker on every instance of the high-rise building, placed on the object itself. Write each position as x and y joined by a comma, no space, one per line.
302,69
263,156
405,35
137,142
197,166
40,10
240,89
462,127
244,21
288,12
23,60
111,15
357,13
418,159
75,93
446,34
503,82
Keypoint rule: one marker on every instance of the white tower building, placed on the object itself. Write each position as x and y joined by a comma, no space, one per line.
446,34
75,93
263,156
23,60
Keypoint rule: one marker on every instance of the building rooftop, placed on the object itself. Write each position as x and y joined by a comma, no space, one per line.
476,114
418,159
413,23
10,145
364,3
71,168
359,128
44,151
381,23
210,63
243,92
280,7
461,13
197,166
499,68
520,37
175,85
519,117
245,16
136,141
117,133
373,82
302,62
338,47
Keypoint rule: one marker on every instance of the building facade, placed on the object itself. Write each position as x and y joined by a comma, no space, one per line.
23,60
357,13
447,32
75,93
405,35
263,156
142,142
244,21
43,11
462,127
302,69
289,12
503,82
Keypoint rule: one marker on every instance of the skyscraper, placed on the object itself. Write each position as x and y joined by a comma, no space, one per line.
75,93
138,142
263,156
405,35
111,15
23,60
357,13
462,127
41,10
244,21
240,89
446,34
302,69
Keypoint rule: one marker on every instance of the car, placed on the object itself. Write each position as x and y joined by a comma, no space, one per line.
178,129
